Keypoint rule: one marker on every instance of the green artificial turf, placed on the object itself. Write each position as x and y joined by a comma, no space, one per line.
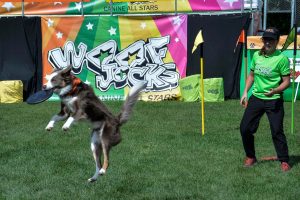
162,155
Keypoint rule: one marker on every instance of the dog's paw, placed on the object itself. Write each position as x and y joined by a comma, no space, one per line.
102,171
65,128
48,128
91,180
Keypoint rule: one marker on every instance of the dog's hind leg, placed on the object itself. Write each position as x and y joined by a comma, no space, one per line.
107,141
95,144
95,147
105,151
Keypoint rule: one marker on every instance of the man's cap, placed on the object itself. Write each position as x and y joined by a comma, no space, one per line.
271,33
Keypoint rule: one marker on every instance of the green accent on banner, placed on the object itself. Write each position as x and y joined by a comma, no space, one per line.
104,8
103,35
190,89
242,79
72,9
287,94
92,7
90,37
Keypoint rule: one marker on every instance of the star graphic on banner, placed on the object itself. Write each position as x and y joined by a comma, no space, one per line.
87,82
230,2
177,20
112,31
59,35
57,3
78,6
176,39
89,26
50,22
143,25
8,6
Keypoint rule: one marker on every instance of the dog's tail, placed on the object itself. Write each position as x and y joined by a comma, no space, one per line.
130,102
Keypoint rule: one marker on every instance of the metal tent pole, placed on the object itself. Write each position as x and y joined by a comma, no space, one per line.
242,6
82,12
23,9
293,12
111,7
176,11
265,14
252,19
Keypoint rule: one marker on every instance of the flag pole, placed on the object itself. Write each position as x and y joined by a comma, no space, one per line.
245,55
202,87
293,79
292,38
245,45
294,66
198,41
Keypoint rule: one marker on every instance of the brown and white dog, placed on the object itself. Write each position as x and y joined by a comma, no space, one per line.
78,101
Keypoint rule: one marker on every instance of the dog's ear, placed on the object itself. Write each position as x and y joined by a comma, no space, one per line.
67,71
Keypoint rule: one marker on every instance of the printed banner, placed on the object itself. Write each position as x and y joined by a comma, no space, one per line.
255,42
117,7
114,53
115,1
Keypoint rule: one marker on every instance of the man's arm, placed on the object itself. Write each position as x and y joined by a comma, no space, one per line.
285,84
248,85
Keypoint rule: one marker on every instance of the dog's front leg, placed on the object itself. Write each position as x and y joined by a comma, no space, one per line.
54,119
68,123
95,150
74,117
75,114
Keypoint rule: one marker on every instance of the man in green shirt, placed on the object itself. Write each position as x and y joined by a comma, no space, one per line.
270,76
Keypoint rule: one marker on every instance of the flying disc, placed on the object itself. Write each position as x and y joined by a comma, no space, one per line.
39,96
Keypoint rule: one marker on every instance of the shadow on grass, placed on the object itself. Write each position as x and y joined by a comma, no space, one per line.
294,159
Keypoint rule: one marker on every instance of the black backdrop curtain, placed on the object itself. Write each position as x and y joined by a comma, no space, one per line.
221,55
21,51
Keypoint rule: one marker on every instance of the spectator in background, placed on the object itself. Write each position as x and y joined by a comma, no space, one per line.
270,76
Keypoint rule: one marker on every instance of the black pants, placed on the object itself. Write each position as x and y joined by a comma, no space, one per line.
249,124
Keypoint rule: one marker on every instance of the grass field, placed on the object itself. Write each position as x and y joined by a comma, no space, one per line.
162,156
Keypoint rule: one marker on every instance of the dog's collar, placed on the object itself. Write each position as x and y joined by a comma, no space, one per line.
76,82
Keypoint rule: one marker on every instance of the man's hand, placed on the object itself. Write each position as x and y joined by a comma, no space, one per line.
270,93
244,101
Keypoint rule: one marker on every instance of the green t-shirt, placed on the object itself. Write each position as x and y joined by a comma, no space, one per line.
268,71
